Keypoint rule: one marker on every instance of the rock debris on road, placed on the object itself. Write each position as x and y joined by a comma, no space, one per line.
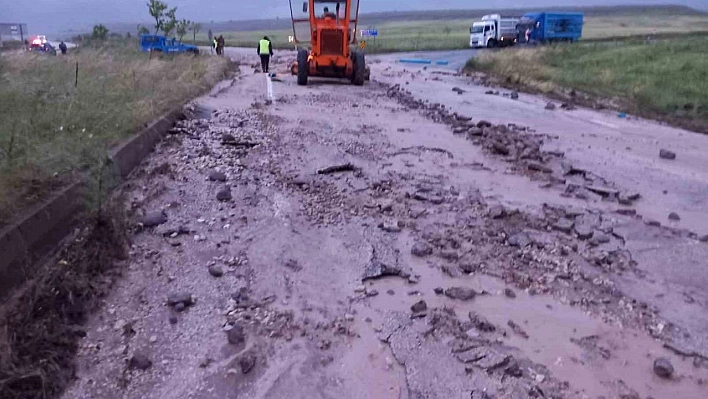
258,267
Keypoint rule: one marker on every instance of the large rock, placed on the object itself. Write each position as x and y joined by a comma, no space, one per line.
460,293
376,269
663,368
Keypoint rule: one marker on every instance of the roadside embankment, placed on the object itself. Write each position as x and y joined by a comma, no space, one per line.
664,80
66,141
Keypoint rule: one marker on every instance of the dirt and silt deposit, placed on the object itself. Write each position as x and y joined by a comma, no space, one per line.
360,242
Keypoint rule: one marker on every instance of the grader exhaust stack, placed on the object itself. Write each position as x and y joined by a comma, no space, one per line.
331,50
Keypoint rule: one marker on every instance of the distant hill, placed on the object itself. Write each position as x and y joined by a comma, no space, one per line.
372,19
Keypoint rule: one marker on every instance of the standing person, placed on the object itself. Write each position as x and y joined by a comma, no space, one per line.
265,50
220,43
214,44
62,47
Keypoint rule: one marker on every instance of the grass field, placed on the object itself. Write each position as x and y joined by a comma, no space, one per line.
446,34
52,133
667,79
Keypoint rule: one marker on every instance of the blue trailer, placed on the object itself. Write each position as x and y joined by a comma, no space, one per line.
550,27
163,45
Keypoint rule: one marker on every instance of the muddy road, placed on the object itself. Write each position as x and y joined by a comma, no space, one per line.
407,240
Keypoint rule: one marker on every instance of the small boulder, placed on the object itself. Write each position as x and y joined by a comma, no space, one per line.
550,106
509,293
499,148
139,361
224,194
496,212
514,95
217,176
421,249
584,231
663,368
474,132
673,216
666,154
521,240
236,335
247,362
564,225
184,298
419,307
216,271
153,219
460,293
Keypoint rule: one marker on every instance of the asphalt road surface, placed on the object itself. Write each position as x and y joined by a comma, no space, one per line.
412,238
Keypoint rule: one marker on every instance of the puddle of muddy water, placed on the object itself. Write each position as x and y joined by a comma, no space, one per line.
559,334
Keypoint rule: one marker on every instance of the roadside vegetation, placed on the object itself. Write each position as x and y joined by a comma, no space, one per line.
54,131
665,79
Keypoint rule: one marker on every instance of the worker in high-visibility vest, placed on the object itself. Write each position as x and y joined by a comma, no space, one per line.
265,50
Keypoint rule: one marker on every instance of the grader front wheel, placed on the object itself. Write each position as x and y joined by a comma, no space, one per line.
359,75
302,67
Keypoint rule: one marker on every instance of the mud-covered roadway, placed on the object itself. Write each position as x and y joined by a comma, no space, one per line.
412,238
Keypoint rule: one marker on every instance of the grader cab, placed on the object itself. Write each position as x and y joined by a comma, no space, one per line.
330,49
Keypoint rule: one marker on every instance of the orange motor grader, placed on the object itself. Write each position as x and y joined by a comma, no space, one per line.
333,50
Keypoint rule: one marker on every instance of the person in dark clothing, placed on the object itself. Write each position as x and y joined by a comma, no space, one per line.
62,47
265,50
220,44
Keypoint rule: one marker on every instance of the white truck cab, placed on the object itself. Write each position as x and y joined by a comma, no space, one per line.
493,31
481,33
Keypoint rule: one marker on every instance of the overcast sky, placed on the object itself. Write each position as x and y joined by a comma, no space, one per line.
54,16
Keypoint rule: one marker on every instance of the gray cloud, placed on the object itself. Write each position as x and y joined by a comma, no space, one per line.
54,16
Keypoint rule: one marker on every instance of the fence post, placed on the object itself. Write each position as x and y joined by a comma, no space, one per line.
76,81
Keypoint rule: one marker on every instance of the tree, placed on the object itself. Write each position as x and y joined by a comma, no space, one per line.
100,32
182,28
143,30
157,11
196,27
169,22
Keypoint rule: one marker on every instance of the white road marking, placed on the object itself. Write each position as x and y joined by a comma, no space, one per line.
269,81
605,124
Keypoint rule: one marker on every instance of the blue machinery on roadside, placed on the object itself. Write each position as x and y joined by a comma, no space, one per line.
421,61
